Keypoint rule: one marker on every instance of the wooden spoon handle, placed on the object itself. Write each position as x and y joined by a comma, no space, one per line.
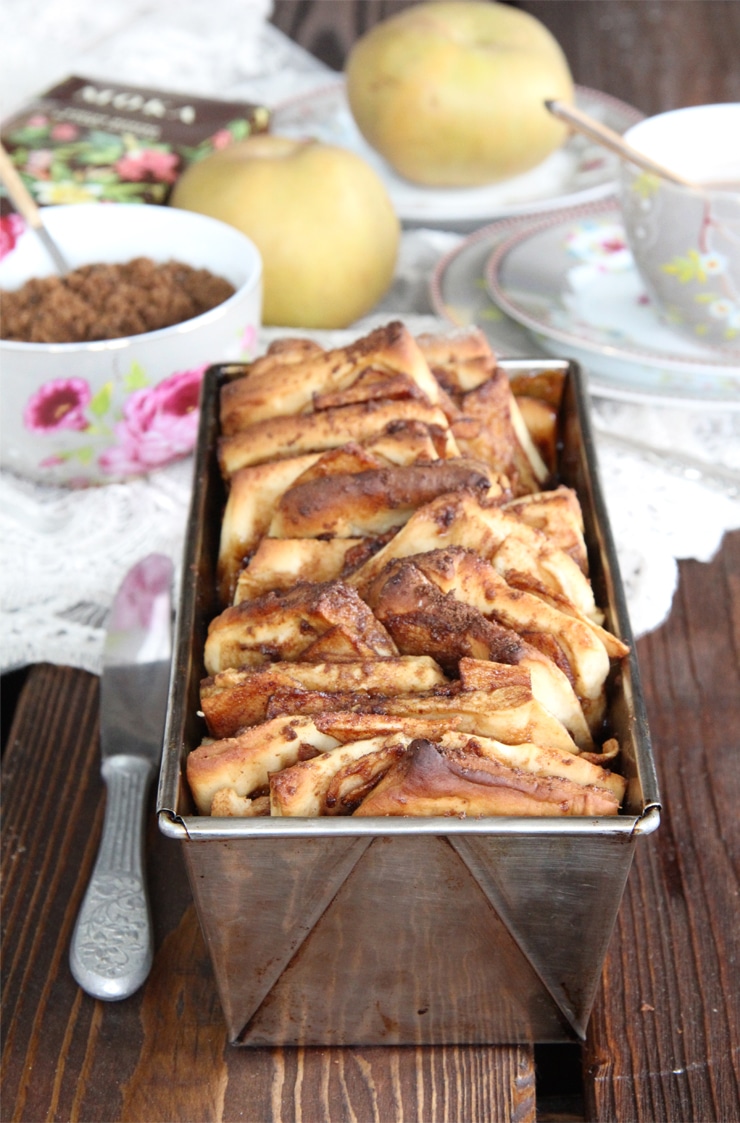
582,123
19,193
24,203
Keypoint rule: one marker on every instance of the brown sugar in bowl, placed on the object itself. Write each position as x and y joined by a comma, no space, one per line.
102,410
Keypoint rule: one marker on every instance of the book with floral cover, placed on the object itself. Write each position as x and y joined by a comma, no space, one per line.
86,141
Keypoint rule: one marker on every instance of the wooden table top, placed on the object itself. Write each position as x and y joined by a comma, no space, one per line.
663,1041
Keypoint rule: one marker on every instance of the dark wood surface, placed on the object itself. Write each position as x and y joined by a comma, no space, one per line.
654,54
664,1038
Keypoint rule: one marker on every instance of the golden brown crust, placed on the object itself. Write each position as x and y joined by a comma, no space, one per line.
244,763
297,434
300,791
428,781
513,547
280,563
234,699
386,364
460,361
423,618
510,715
474,581
558,515
385,527
485,417
249,509
292,623
372,502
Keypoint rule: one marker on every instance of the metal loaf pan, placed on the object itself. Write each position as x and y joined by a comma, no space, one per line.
348,931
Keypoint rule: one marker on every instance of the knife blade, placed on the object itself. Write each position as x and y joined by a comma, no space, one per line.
112,947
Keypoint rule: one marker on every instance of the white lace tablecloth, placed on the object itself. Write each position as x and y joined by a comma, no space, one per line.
63,553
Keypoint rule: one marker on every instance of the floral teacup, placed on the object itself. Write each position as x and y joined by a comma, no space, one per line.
686,242
88,413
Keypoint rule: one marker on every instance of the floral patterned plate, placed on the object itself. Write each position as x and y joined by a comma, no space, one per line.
580,171
678,374
571,281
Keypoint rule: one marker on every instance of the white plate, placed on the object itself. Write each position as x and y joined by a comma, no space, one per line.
459,293
580,171
570,280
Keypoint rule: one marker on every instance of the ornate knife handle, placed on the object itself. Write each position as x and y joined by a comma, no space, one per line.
111,950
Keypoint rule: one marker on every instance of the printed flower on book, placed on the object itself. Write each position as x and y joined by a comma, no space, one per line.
61,162
148,164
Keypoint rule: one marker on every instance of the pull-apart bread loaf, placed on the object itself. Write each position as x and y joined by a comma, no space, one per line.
408,624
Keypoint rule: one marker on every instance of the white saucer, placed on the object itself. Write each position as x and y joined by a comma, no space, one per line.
580,171
458,292
570,280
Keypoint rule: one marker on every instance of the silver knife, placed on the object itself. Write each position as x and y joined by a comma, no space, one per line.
111,950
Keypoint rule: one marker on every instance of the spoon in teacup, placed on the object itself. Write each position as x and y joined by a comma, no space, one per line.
22,200
593,129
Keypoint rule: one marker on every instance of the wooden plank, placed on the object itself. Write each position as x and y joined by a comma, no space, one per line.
656,55
328,29
163,1054
664,1039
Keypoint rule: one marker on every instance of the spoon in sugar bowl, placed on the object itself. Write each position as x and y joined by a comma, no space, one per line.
594,130
22,200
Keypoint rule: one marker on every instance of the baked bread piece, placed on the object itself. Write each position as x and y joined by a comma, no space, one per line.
385,365
255,491
576,646
296,434
513,716
558,515
541,422
226,804
313,622
460,360
514,548
245,763
422,618
301,790
371,502
448,773
234,699
280,563
387,527
250,507
439,779
487,423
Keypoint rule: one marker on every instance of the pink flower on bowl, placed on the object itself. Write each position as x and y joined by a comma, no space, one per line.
59,404
159,424
148,163
11,228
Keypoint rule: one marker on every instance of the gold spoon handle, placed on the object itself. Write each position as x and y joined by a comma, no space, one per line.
26,207
582,123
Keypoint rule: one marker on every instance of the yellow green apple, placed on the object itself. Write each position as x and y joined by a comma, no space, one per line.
451,93
320,216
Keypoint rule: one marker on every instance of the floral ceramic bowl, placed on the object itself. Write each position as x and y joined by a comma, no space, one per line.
685,241
89,413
